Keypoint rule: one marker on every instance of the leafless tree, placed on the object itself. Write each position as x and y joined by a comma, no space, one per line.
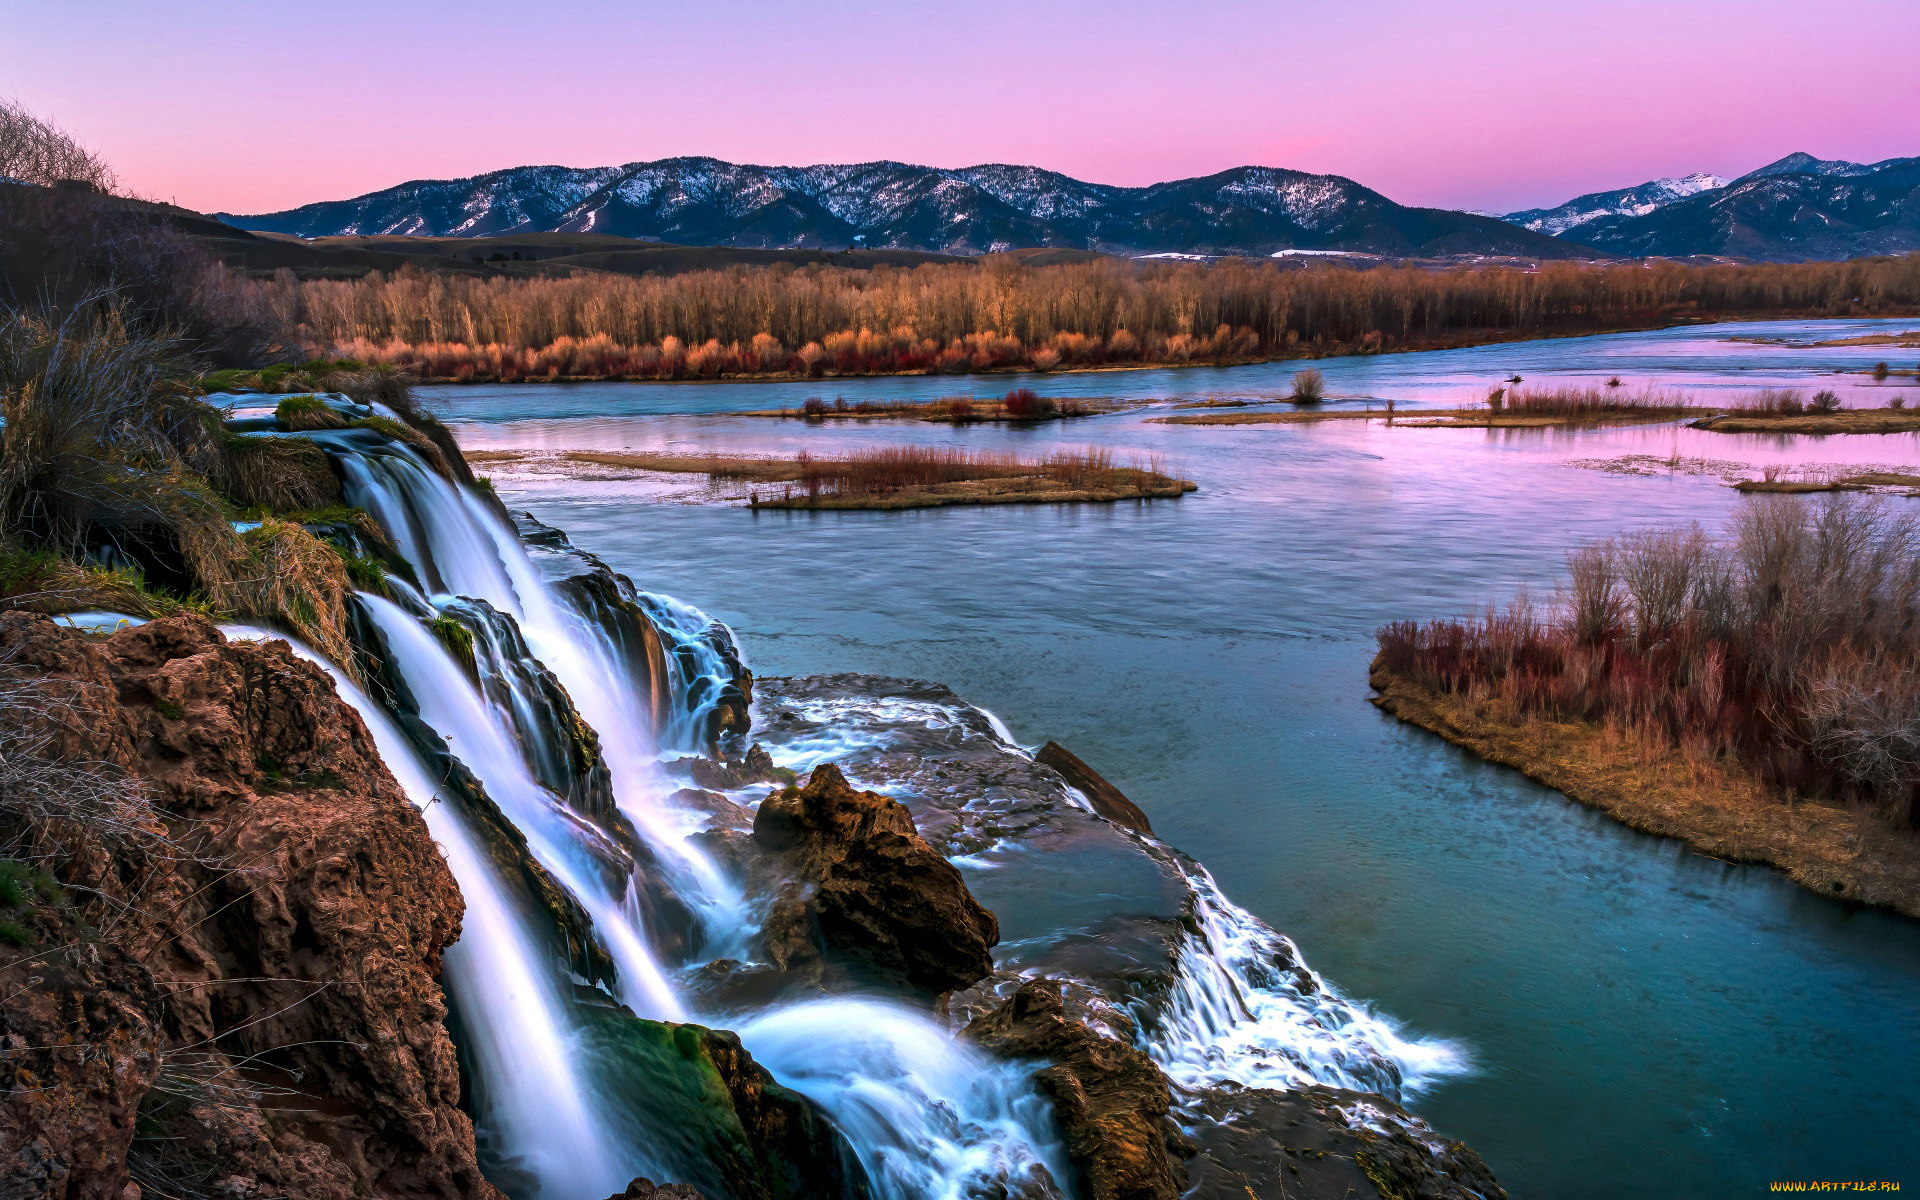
36,151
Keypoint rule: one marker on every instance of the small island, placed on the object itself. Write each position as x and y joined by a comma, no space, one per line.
1018,405
1502,410
890,477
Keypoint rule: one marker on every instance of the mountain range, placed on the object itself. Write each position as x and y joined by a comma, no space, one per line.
891,205
1797,208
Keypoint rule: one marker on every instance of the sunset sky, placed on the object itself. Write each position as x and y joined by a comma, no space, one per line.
254,105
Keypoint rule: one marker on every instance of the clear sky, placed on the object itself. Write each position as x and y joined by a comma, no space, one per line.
253,105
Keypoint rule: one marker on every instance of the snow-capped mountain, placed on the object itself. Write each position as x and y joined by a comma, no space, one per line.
1626,202
1802,163
1797,209
971,210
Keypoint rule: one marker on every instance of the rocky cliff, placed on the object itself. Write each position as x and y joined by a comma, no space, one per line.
227,986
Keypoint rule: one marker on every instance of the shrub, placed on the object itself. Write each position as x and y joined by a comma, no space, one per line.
814,406
1309,386
1824,402
1023,405
1880,371
1782,401
1785,650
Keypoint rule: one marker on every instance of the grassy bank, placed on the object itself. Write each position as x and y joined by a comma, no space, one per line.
1828,847
897,477
1756,696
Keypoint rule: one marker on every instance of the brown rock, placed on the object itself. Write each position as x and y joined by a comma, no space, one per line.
1112,1101
864,891
1257,1144
1107,800
274,967
647,1189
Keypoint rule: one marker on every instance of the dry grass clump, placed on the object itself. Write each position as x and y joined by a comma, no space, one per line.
280,474
1577,404
290,579
1785,402
1790,651
1309,386
103,442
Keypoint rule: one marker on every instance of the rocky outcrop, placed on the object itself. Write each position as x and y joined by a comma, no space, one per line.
724,774
865,893
1107,800
238,995
1317,1141
727,1126
1112,1102
646,1189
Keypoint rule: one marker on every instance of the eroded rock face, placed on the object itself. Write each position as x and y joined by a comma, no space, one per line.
1112,1102
271,969
866,893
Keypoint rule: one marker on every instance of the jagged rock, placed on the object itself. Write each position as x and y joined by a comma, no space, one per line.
1107,800
866,892
721,812
1111,1100
647,1189
290,941
726,775
1316,1141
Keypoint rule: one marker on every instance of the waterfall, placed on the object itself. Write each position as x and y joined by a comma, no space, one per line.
930,1117
451,703
536,1106
465,650
546,716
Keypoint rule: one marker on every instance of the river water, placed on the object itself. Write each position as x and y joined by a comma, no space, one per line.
1637,1017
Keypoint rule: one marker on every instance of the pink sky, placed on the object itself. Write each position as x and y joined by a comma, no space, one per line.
254,106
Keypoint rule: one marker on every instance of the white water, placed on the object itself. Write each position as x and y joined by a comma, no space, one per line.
480,738
930,1117
923,1113
1235,1017
515,1032
454,537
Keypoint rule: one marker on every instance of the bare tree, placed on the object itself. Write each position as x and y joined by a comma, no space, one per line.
34,150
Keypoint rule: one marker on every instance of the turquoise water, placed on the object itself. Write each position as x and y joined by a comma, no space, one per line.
1641,1020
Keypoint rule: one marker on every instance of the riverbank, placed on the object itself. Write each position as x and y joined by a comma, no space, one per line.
1722,814
1863,482
1847,420
1479,417
890,478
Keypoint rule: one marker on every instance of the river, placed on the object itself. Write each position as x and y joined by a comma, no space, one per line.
1637,1017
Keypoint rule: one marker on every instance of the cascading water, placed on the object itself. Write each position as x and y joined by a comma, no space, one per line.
931,1118
556,720
536,1104
915,1107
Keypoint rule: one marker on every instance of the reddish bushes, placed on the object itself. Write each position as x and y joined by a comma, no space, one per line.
1002,314
1789,651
